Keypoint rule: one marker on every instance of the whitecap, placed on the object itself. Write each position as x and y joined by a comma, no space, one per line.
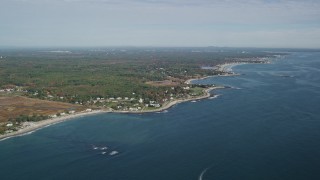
215,96
104,148
112,153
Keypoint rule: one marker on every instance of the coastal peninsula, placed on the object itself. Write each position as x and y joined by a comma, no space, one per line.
127,87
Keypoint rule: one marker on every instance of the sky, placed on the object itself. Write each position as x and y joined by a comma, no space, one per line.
231,23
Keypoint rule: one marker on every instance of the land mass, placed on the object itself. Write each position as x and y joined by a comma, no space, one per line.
45,87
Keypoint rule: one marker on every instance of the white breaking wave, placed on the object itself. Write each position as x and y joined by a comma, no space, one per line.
5,138
27,133
202,173
215,96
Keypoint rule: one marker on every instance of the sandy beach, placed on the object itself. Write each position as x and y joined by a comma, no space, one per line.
29,127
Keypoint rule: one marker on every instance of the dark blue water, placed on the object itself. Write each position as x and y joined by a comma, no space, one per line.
267,127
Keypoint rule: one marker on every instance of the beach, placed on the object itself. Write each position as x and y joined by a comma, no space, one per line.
29,127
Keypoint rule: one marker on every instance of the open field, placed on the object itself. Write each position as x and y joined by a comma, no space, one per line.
14,106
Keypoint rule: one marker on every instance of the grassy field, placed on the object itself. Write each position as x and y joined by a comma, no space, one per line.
13,106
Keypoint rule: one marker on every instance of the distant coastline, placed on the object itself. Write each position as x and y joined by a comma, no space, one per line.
226,70
30,127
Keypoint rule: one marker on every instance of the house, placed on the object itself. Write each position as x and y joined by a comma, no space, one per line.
72,112
133,109
9,125
140,100
155,105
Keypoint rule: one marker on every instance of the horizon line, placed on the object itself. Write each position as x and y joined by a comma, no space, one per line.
150,46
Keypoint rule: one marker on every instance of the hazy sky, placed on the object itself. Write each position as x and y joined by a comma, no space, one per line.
249,23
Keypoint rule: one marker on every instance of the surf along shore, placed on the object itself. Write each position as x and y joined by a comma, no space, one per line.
29,127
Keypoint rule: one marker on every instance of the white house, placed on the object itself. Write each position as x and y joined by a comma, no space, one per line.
72,112
53,116
9,125
140,100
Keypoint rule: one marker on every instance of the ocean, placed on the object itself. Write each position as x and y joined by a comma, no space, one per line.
266,127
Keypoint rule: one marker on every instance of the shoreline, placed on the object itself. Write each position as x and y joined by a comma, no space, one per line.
33,126
174,102
30,127
226,69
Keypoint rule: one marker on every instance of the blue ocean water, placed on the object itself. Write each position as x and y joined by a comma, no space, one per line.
266,127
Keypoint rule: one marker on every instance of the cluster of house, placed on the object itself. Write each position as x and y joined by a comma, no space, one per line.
15,89
122,99
7,90
137,107
62,114
153,104
9,125
119,99
102,100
